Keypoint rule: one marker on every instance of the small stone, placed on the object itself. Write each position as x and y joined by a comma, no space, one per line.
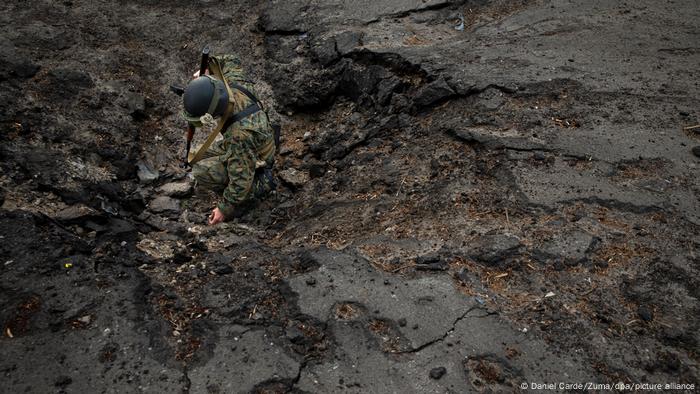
644,313
433,93
63,381
75,214
223,270
437,373
696,151
85,319
176,189
136,104
164,205
539,156
311,281
145,173
294,334
402,322
317,170
294,177
496,250
464,276
306,136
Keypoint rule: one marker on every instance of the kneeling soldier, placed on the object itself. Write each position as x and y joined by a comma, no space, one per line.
239,166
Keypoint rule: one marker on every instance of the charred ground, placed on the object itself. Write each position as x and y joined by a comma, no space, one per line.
512,201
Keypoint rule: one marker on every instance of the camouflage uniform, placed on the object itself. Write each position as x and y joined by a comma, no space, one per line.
230,164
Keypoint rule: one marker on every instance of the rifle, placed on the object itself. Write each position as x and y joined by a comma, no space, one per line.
179,90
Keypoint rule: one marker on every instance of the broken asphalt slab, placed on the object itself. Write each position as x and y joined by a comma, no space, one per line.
370,313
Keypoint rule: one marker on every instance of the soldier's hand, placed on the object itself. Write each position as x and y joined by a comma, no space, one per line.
196,74
216,217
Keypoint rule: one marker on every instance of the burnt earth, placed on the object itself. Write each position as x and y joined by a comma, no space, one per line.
473,195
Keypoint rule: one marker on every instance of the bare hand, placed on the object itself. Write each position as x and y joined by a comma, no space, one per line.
216,217
196,74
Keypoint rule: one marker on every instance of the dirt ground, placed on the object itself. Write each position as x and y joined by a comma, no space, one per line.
475,196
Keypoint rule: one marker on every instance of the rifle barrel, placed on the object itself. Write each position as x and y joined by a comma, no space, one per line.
205,60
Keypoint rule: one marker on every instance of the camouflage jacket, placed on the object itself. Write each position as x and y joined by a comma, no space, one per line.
246,142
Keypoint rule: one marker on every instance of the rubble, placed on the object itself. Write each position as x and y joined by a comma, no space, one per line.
467,192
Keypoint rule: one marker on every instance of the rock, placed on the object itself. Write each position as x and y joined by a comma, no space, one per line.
402,322
311,281
164,205
145,173
696,151
432,93
177,189
644,313
76,214
431,263
25,69
324,51
223,269
464,276
346,41
437,373
124,169
386,89
136,104
358,81
63,381
571,247
490,99
317,170
496,250
294,177
294,334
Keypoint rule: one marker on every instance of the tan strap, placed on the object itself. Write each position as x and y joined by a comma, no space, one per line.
214,68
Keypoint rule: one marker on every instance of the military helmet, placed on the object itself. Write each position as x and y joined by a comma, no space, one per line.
204,95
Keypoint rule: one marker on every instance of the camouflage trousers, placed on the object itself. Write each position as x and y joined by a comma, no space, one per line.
212,173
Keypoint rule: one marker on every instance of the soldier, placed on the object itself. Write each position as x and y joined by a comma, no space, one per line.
239,166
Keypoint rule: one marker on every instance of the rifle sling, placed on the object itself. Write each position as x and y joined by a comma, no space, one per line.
228,118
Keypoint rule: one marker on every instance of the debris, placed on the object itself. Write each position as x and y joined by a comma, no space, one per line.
164,205
75,214
311,281
696,151
85,319
136,104
145,173
460,24
177,189
697,126
432,93
645,313
294,334
496,250
431,263
550,294
437,373
294,177
223,269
